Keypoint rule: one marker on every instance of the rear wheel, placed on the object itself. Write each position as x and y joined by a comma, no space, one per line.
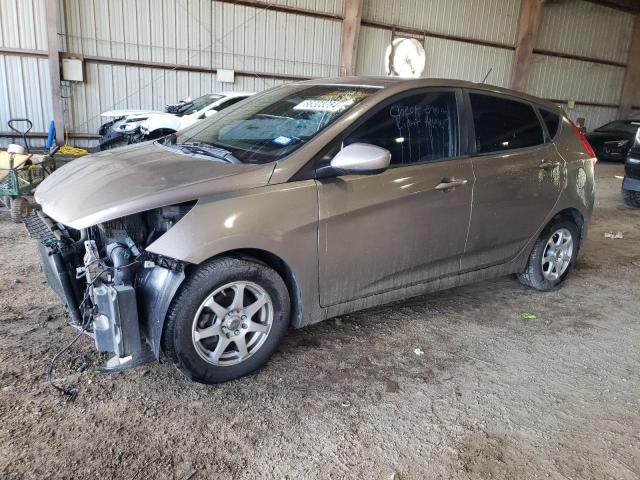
227,320
552,256
631,198
20,209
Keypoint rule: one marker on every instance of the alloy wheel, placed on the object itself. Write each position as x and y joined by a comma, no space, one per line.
232,323
557,254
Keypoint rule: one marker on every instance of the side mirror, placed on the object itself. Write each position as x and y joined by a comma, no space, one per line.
361,159
210,113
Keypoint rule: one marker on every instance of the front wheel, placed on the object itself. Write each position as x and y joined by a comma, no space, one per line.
227,320
552,256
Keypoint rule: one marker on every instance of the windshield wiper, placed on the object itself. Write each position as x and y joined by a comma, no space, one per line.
202,148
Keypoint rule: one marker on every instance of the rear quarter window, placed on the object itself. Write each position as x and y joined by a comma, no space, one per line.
503,124
551,120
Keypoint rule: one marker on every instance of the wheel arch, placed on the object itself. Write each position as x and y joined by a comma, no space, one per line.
276,263
574,215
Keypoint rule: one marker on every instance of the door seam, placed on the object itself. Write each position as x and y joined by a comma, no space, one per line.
466,240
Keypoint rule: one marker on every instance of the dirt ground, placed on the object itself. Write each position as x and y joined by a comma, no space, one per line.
492,396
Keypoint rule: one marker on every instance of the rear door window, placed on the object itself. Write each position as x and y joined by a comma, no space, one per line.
502,124
415,128
551,120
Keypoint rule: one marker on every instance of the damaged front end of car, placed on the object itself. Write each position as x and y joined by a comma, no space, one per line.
121,131
112,288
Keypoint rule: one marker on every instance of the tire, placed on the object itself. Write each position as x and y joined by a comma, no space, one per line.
189,318
20,209
631,198
541,275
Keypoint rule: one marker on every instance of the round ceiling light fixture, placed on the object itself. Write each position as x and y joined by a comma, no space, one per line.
405,57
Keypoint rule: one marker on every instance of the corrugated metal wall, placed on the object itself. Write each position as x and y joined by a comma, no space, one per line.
491,20
445,58
594,116
109,87
205,33
586,29
589,30
25,90
562,78
571,27
197,33
23,24
334,7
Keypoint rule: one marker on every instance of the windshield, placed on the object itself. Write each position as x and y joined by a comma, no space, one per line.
198,104
627,127
276,123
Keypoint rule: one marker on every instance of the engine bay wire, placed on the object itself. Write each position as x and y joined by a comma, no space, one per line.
72,392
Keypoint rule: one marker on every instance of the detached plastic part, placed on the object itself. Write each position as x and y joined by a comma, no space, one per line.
117,364
116,328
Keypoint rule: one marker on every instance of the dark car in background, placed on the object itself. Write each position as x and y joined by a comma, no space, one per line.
613,140
631,182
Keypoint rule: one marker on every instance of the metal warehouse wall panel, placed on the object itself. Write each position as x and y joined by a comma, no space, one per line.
206,34
584,28
334,7
372,43
490,20
199,33
594,116
110,87
25,91
445,58
23,24
465,61
562,78
268,41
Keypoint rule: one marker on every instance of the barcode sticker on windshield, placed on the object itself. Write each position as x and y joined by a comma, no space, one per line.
323,105
282,140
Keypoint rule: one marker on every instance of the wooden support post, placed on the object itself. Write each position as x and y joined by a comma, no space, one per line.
528,26
350,33
631,85
54,68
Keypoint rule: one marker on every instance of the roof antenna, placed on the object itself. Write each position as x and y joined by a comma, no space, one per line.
487,75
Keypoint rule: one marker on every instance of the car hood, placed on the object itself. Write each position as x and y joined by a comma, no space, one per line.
126,113
124,181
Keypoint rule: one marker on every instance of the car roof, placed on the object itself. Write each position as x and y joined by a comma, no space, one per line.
386,82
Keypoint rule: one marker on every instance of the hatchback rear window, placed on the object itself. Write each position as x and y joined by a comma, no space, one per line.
503,124
551,120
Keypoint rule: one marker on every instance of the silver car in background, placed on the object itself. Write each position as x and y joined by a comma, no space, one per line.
307,201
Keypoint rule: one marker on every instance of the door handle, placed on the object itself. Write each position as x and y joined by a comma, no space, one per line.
544,165
448,184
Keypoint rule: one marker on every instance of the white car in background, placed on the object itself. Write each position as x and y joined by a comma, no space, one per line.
133,126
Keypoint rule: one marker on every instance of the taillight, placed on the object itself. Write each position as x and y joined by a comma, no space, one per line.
585,142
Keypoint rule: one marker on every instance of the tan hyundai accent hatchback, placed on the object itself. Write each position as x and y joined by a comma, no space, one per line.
307,201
